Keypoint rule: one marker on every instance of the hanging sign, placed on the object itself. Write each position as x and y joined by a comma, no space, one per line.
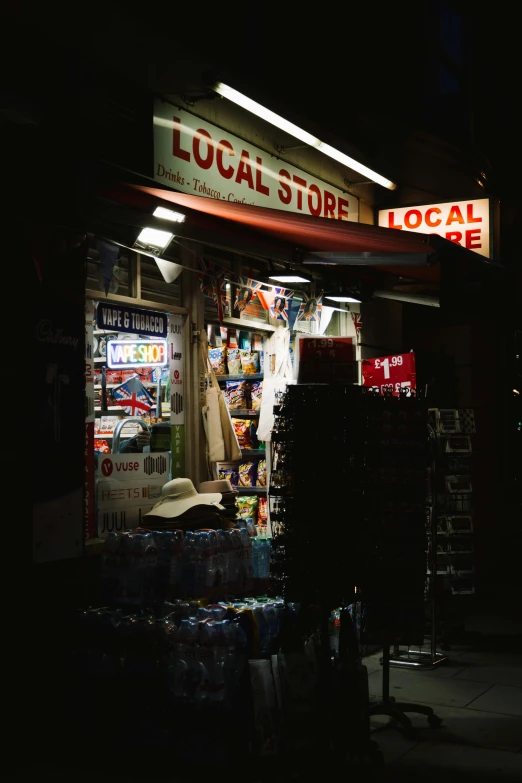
397,372
119,318
326,360
194,156
464,222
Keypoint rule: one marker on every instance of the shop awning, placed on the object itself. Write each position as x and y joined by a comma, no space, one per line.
320,242
314,234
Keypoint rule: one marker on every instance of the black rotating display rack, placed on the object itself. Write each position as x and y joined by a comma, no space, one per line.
348,495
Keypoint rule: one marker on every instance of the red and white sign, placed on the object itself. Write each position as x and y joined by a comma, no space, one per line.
463,222
122,504
129,466
326,360
396,371
194,156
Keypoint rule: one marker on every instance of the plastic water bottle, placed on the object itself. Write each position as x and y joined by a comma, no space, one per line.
175,538
188,674
150,570
246,557
223,650
188,565
234,576
255,562
265,551
204,574
223,562
162,538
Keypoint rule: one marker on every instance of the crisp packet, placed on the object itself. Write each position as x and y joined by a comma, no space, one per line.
249,362
256,392
262,511
261,473
233,361
218,360
247,474
247,506
242,429
231,474
235,394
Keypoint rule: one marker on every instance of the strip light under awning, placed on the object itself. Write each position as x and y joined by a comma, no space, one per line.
294,130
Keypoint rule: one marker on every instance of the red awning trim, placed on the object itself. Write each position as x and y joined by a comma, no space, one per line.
303,231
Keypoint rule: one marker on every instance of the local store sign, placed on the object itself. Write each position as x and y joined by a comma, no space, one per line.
387,373
193,156
463,222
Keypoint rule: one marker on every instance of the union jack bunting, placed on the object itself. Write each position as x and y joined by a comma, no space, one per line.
357,322
311,308
246,292
212,284
279,307
133,397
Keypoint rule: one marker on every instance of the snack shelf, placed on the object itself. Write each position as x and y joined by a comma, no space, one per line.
250,490
256,376
246,414
253,452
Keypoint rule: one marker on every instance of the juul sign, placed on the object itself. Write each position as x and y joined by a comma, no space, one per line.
463,222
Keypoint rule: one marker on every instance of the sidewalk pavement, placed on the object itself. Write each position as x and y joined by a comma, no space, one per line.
478,696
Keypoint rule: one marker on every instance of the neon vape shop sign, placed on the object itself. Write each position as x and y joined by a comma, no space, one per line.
136,353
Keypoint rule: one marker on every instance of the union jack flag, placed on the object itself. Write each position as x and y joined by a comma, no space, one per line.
311,308
279,307
133,397
357,322
246,292
212,283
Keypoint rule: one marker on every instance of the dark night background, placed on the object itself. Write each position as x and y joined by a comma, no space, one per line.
392,79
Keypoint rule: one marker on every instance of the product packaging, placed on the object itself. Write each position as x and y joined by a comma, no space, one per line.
247,474
233,361
217,357
249,362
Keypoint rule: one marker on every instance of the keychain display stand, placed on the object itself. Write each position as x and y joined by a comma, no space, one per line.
418,658
352,530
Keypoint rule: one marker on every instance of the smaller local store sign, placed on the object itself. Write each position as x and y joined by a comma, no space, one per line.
118,318
463,222
136,353
385,372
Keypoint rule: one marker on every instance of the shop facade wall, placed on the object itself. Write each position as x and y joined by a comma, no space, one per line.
460,364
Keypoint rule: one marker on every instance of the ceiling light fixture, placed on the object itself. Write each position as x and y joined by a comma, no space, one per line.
289,278
342,299
299,133
152,240
168,214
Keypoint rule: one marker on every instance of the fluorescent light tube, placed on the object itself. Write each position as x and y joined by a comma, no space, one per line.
155,237
289,279
342,298
265,114
299,133
169,214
